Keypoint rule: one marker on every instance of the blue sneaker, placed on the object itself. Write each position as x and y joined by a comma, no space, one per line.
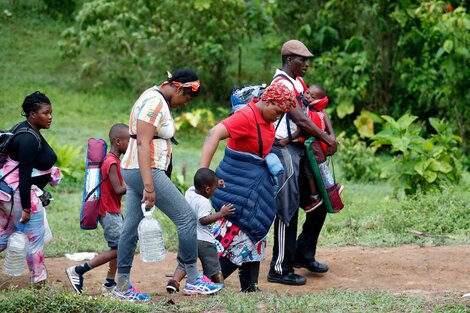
201,287
131,295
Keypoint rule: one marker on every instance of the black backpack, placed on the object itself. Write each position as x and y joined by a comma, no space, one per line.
6,137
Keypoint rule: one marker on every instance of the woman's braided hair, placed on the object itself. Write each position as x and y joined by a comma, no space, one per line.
32,102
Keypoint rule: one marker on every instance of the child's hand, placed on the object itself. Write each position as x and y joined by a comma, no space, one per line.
227,209
221,183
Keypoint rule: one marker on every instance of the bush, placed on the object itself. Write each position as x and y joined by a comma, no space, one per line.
68,161
60,9
357,161
420,163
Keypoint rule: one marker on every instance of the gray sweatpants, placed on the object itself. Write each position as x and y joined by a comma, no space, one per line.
171,202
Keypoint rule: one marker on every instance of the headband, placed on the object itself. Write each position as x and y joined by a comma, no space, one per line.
194,85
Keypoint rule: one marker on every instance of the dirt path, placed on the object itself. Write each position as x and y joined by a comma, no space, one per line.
404,269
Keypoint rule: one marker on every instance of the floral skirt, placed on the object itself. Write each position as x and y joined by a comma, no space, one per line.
234,243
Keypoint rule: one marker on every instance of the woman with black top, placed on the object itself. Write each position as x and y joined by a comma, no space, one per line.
28,169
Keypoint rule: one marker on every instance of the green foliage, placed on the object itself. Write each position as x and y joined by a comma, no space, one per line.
441,215
434,70
69,160
133,42
199,120
60,8
420,163
357,161
365,123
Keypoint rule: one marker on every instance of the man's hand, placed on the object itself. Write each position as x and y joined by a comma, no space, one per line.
283,142
332,146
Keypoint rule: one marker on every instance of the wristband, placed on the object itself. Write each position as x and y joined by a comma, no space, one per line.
27,211
149,191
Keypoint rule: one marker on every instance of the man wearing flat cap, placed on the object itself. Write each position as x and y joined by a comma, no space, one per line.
288,250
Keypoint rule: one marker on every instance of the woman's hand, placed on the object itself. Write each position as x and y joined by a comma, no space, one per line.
25,216
149,199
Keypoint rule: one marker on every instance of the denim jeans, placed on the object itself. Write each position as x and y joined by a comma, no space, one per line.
173,204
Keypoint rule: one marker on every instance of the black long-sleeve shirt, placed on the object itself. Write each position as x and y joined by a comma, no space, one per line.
24,148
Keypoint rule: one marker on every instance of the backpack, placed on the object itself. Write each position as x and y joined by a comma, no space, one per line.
6,137
241,97
96,151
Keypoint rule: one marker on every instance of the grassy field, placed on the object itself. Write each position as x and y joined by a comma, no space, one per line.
372,217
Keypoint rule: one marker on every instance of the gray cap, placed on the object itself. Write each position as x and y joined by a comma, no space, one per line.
295,47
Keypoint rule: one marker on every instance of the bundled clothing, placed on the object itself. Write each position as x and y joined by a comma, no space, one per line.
28,169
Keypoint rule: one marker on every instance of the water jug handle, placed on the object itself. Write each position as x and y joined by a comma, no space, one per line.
144,210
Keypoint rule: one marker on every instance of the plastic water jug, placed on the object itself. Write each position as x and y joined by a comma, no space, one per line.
13,264
326,175
152,246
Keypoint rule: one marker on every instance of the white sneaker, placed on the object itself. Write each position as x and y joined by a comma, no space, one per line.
76,280
106,291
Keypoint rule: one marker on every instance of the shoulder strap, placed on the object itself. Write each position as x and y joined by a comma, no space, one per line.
94,189
260,141
16,131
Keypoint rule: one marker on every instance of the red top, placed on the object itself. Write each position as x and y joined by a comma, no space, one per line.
241,127
319,119
109,200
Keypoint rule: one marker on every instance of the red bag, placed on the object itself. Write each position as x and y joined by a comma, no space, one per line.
335,199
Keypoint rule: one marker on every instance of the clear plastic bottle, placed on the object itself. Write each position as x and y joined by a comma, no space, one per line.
13,264
326,174
152,246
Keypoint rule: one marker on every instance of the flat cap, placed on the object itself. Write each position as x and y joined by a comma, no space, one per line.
295,47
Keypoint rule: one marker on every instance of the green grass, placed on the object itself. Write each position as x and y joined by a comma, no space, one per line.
333,301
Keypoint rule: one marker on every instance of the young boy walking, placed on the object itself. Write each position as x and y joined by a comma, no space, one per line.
110,217
205,184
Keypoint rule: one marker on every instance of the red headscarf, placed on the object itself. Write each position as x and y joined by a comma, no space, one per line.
279,94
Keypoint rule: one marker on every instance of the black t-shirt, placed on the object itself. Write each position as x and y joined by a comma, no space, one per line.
24,148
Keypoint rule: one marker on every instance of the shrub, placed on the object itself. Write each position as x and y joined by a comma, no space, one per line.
68,160
420,163
357,161
60,9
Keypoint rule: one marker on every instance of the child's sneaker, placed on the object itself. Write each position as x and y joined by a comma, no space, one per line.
314,203
75,279
172,286
131,295
200,287
207,280
107,290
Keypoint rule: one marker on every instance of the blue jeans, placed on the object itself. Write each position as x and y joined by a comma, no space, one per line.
173,204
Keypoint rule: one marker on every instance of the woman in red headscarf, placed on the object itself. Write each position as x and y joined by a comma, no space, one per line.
249,171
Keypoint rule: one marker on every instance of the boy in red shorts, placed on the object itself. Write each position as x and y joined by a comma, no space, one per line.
110,217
